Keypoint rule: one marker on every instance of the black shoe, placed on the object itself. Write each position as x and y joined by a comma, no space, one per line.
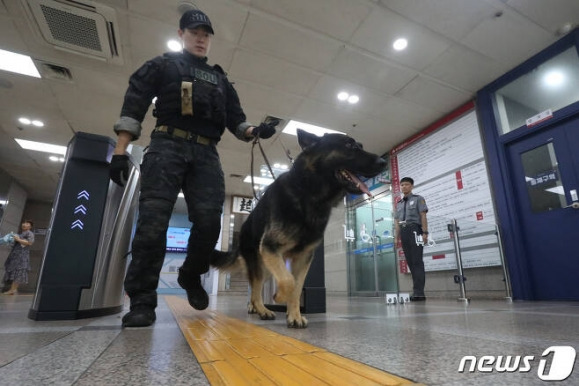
196,295
417,298
140,316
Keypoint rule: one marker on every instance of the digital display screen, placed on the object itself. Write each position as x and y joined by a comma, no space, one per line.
177,239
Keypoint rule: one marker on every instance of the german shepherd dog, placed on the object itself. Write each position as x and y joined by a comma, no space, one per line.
289,221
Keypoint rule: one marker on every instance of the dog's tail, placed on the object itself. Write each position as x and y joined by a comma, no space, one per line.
227,261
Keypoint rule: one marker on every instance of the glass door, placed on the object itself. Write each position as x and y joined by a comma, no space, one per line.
371,257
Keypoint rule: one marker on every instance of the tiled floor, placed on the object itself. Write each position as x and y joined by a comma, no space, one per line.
423,342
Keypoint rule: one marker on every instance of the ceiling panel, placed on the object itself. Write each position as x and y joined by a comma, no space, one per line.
457,65
551,15
336,18
276,73
291,43
451,18
383,27
510,38
369,71
436,96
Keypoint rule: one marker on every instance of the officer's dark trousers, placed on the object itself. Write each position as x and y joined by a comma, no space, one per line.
413,254
172,164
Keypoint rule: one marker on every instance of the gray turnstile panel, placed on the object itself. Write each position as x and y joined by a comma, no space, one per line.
89,235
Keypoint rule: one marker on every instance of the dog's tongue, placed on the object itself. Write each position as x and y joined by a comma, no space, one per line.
362,186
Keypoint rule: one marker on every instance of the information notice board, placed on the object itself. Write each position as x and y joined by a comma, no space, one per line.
447,164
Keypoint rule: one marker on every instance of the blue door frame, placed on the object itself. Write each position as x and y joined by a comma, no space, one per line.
496,147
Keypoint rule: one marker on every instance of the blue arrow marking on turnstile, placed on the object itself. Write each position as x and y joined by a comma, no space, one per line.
77,224
81,209
84,194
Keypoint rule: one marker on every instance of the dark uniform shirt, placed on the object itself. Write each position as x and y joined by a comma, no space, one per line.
415,205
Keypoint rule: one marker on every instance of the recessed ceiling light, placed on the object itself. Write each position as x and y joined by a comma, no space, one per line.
292,126
554,78
40,146
24,121
400,44
174,45
37,123
353,99
343,96
20,64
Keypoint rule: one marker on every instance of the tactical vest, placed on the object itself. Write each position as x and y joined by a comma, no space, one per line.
199,92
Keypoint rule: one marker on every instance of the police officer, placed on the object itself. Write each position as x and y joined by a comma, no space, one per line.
410,217
195,103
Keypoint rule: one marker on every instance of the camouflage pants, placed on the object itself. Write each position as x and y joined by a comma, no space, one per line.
172,164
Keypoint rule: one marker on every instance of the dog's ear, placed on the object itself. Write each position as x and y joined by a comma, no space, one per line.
306,139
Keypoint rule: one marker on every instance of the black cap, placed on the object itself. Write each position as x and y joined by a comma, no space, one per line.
407,179
195,18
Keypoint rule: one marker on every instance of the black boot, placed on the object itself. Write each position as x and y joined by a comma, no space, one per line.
196,295
140,316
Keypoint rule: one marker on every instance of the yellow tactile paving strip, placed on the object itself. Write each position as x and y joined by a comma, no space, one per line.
233,352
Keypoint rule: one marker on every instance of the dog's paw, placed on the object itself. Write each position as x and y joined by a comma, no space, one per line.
251,309
267,315
300,322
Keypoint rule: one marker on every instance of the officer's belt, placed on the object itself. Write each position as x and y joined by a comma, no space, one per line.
186,135
404,224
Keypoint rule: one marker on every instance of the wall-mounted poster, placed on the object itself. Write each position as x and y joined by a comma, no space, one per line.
447,164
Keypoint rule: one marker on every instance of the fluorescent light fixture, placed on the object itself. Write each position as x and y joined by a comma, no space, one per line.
54,158
37,123
24,121
258,180
400,44
292,126
174,45
343,96
18,63
40,146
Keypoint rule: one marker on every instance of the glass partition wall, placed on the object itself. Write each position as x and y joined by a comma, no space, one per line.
371,257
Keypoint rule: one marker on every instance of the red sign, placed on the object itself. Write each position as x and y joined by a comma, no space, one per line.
403,266
436,257
459,180
479,215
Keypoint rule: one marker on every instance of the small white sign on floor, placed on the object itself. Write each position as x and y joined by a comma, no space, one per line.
397,298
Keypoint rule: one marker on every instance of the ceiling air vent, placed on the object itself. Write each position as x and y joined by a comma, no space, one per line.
81,27
54,71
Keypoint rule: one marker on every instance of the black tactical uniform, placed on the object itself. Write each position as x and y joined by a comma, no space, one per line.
173,163
195,102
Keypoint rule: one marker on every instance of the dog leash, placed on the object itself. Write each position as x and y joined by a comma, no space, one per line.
256,141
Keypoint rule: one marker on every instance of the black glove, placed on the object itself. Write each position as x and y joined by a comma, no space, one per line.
119,170
265,130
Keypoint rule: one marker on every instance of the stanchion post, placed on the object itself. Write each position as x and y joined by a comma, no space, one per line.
509,297
460,277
